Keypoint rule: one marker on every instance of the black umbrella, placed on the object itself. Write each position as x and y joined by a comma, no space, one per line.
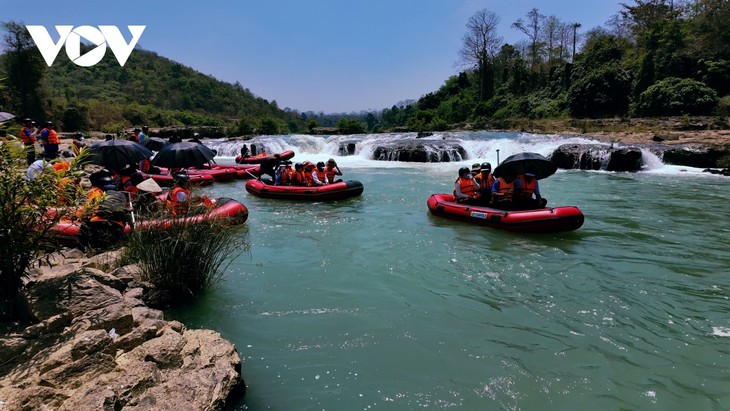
154,143
542,166
183,155
117,154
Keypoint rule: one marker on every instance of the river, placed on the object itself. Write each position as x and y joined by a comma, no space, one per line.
372,303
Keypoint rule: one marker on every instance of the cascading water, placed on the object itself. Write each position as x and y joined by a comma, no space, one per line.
452,147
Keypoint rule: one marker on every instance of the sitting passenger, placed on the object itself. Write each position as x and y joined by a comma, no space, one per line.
297,177
525,187
466,190
319,176
178,201
331,170
503,189
485,180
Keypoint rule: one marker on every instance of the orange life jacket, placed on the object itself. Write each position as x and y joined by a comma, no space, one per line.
28,138
65,185
52,137
506,188
466,185
485,185
527,188
176,206
61,166
330,173
321,176
297,178
308,179
286,176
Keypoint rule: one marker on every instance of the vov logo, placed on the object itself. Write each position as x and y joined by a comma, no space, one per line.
71,37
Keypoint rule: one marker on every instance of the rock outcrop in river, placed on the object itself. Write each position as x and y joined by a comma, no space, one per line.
95,345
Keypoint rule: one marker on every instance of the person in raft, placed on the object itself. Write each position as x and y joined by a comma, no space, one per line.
466,190
525,187
244,152
269,167
178,201
503,189
485,180
331,171
103,216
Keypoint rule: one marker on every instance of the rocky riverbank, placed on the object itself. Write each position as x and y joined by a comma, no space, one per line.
94,344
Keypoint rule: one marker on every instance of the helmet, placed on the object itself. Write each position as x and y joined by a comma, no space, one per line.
298,166
476,167
100,179
27,120
486,166
463,171
49,123
320,164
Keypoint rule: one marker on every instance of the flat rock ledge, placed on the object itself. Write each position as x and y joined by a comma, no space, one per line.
95,345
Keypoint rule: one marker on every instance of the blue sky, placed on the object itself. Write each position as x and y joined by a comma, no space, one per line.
319,55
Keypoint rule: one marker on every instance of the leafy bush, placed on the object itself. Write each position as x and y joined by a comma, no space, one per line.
186,258
24,223
677,96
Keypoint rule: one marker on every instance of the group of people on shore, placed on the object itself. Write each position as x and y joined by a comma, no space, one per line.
511,191
304,174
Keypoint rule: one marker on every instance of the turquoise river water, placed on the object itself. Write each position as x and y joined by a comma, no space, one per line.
372,303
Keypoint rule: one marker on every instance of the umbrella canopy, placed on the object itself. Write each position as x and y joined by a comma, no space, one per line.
155,143
183,155
6,116
117,154
543,167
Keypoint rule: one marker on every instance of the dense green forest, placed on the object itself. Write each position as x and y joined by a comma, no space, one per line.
653,58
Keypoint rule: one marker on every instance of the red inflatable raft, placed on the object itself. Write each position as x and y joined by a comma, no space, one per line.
336,191
260,158
227,209
167,180
542,220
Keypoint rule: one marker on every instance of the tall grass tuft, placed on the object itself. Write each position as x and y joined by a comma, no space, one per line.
186,258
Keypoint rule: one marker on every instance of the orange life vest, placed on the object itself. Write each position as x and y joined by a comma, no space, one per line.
61,166
330,173
52,137
297,178
28,138
527,188
466,185
506,188
321,176
485,185
308,179
176,206
286,176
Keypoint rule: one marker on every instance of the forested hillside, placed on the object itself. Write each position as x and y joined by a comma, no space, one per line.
654,58
147,90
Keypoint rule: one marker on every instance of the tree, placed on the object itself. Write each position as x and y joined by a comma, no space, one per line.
532,28
480,44
25,69
675,97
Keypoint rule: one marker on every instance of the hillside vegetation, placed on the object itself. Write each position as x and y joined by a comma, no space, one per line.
654,58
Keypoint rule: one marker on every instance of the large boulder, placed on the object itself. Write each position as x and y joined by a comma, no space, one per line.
97,346
597,157
421,152
694,155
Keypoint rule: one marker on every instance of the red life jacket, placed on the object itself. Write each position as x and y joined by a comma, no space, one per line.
485,185
145,165
308,179
286,176
297,178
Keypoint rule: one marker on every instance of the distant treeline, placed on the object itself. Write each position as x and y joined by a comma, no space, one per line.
653,58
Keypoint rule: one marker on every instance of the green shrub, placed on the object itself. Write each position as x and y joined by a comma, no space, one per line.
188,257
24,223
677,96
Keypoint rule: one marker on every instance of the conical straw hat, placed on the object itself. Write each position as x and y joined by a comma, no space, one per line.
149,185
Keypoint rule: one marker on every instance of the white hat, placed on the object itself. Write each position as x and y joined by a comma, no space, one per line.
150,185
